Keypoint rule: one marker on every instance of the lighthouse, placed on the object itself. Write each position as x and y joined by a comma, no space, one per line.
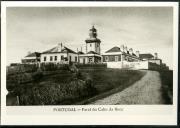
93,49
93,43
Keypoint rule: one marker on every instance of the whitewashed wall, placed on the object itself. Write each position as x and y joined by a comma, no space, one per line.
98,47
128,65
53,55
114,64
156,61
91,47
58,57
72,57
136,65
81,59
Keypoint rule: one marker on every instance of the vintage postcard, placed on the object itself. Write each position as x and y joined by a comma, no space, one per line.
89,63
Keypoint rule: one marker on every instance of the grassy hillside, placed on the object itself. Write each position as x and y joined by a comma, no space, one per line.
65,87
109,81
59,87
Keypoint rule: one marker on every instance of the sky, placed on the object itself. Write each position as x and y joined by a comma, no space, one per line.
146,29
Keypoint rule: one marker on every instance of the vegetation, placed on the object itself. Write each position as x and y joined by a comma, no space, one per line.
50,93
48,87
29,68
109,81
52,85
90,66
167,85
22,68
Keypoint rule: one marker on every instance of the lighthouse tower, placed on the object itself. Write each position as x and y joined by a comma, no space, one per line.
93,43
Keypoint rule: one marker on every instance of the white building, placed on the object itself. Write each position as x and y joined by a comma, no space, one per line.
150,58
59,54
31,58
118,57
121,57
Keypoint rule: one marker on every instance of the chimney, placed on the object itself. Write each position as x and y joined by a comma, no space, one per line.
77,50
125,49
59,47
137,53
131,51
28,53
122,48
81,49
155,56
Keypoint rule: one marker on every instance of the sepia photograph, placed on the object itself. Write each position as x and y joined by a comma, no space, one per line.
89,55
108,63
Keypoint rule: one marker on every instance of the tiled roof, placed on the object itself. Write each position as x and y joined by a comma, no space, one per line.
80,52
90,40
147,55
55,49
58,50
114,49
134,54
65,50
92,52
34,54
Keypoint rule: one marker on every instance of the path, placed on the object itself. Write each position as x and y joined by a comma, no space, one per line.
144,91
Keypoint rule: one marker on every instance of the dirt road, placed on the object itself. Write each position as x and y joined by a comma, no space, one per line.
144,91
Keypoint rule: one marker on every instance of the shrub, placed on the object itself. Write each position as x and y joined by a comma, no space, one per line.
53,94
53,66
14,80
22,68
91,66
37,76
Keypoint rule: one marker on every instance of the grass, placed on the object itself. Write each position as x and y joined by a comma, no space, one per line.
109,81
167,85
64,87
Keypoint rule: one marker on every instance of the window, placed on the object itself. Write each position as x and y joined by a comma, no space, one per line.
62,57
55,58
70,58
45,58
116,58
90,45
51,58
75,58
90,60
106,58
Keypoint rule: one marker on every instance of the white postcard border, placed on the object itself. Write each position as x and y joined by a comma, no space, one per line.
131,114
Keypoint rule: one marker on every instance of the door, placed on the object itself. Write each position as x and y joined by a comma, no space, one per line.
83,60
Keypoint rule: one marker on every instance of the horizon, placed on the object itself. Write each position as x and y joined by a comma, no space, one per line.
37,29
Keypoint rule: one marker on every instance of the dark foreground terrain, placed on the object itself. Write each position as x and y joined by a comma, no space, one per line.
156,87
146,91
167,86
64,87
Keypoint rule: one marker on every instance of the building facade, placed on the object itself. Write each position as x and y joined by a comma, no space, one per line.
122,57
59,54
31,58
116,57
